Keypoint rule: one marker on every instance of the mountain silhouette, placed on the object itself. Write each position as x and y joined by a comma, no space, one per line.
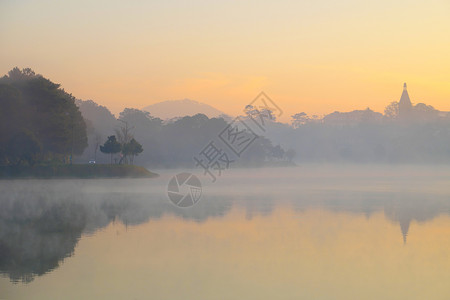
180,108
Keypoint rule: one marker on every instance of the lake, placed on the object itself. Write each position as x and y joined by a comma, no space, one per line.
309,232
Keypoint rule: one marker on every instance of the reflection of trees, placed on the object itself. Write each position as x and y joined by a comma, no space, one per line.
34,241
40,225
26,251
414,208
257,205
399,208
209,207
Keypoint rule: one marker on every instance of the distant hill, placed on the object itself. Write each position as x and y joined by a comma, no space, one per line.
180,108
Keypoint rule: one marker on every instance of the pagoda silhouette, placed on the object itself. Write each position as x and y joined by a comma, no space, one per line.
405,107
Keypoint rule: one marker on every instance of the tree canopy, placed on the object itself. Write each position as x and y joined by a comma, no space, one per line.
35,110
132,149
111,146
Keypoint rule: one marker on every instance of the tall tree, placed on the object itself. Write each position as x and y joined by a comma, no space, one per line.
111,146
132,149
31,103
11,122
100,122
391,111
299,119
24,146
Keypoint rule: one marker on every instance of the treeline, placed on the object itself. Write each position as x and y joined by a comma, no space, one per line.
365,136
39,121
166,144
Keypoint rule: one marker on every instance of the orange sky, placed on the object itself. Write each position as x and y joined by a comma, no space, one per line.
316,57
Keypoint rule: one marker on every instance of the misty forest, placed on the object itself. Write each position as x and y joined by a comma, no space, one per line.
41,123
252,150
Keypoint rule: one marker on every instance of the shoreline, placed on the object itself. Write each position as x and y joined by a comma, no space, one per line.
75,171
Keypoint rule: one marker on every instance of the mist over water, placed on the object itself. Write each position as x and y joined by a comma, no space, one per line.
308,160
364,231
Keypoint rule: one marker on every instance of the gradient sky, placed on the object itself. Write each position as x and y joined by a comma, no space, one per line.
312,56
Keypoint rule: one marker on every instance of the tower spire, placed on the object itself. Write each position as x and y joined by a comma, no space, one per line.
404,105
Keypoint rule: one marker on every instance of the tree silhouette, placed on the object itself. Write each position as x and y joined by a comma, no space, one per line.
391,111
132,148
34,108
111,146
299,119
24,146
290,154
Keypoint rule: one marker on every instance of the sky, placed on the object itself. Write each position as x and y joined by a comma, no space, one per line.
308,56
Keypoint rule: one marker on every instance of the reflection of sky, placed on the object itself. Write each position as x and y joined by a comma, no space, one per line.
317,253
265,237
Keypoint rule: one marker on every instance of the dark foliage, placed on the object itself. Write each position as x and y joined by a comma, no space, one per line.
111,146
39,121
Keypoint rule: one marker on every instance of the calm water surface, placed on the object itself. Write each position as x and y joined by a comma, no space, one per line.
312,232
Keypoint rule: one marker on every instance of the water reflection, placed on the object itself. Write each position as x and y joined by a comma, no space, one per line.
401,208
41,222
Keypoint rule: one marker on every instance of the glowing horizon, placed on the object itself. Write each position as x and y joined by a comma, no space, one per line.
312,57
